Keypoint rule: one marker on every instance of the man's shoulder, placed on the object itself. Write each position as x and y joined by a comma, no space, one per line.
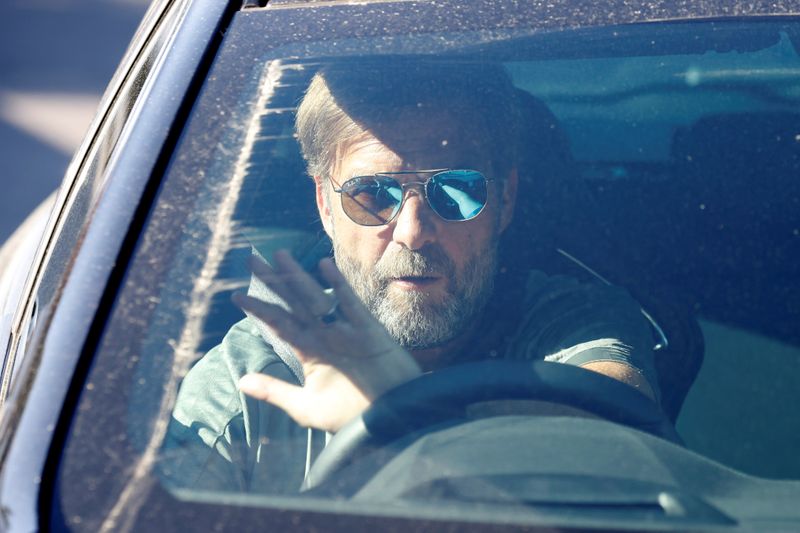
213,380
539,285
568,297
241,351
561,312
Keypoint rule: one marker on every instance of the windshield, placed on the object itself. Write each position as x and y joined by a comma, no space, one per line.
342,218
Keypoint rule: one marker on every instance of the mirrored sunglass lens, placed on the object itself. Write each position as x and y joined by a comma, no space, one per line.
371,201
457,194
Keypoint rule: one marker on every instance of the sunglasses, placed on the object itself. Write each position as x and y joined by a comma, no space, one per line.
375,200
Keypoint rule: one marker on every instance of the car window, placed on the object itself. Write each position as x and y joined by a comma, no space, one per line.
655,169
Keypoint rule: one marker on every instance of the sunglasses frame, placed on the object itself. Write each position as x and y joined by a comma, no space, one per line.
404,186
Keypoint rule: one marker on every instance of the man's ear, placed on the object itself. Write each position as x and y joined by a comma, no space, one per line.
323,204
508,199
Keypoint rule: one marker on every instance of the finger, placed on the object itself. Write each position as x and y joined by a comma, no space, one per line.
305,287
279,284
350,304
290,398
283,324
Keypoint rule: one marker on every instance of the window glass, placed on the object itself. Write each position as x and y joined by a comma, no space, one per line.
569,197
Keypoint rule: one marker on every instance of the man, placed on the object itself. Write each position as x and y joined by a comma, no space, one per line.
416,181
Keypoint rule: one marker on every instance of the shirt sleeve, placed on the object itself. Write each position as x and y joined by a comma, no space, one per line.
222,440
567,321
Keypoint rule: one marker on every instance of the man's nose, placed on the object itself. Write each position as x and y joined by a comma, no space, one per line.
414,226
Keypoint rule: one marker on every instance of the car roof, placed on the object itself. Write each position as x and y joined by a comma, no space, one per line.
559,14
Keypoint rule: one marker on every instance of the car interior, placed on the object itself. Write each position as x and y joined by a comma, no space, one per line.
660,229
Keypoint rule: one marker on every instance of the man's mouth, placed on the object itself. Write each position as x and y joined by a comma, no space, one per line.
415,282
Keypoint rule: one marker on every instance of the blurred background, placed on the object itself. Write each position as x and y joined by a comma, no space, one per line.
56,58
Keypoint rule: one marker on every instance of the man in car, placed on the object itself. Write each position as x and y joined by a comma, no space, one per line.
416,181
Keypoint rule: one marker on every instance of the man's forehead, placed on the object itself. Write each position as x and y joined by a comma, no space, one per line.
416,138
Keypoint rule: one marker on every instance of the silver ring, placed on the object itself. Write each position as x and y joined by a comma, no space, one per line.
332,315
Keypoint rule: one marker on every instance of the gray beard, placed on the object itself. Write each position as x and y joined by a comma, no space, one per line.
412,318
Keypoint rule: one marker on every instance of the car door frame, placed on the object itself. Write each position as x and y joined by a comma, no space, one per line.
91,233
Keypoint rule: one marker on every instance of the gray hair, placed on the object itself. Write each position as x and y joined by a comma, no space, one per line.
346,100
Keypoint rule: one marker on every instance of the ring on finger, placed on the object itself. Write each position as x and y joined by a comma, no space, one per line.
332,315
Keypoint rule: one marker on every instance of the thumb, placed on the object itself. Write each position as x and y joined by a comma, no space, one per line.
288,397
328,407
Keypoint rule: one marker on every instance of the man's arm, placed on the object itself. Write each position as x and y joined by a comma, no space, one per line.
220,439
624,373
591,325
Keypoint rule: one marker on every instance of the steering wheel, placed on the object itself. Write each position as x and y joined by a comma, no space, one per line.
443,396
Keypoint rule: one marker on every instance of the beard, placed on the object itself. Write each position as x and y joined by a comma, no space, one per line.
418,319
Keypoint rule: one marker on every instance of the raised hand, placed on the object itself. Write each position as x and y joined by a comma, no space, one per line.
348,358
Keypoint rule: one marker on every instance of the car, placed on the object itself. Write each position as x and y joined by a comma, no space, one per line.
658,151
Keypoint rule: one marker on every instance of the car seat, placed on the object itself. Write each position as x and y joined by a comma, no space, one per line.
738,194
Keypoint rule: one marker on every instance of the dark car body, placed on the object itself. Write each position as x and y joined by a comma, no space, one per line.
108,198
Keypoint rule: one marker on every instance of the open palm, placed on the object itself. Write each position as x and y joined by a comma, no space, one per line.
348,359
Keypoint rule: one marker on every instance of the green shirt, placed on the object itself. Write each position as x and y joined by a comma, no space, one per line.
221,439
